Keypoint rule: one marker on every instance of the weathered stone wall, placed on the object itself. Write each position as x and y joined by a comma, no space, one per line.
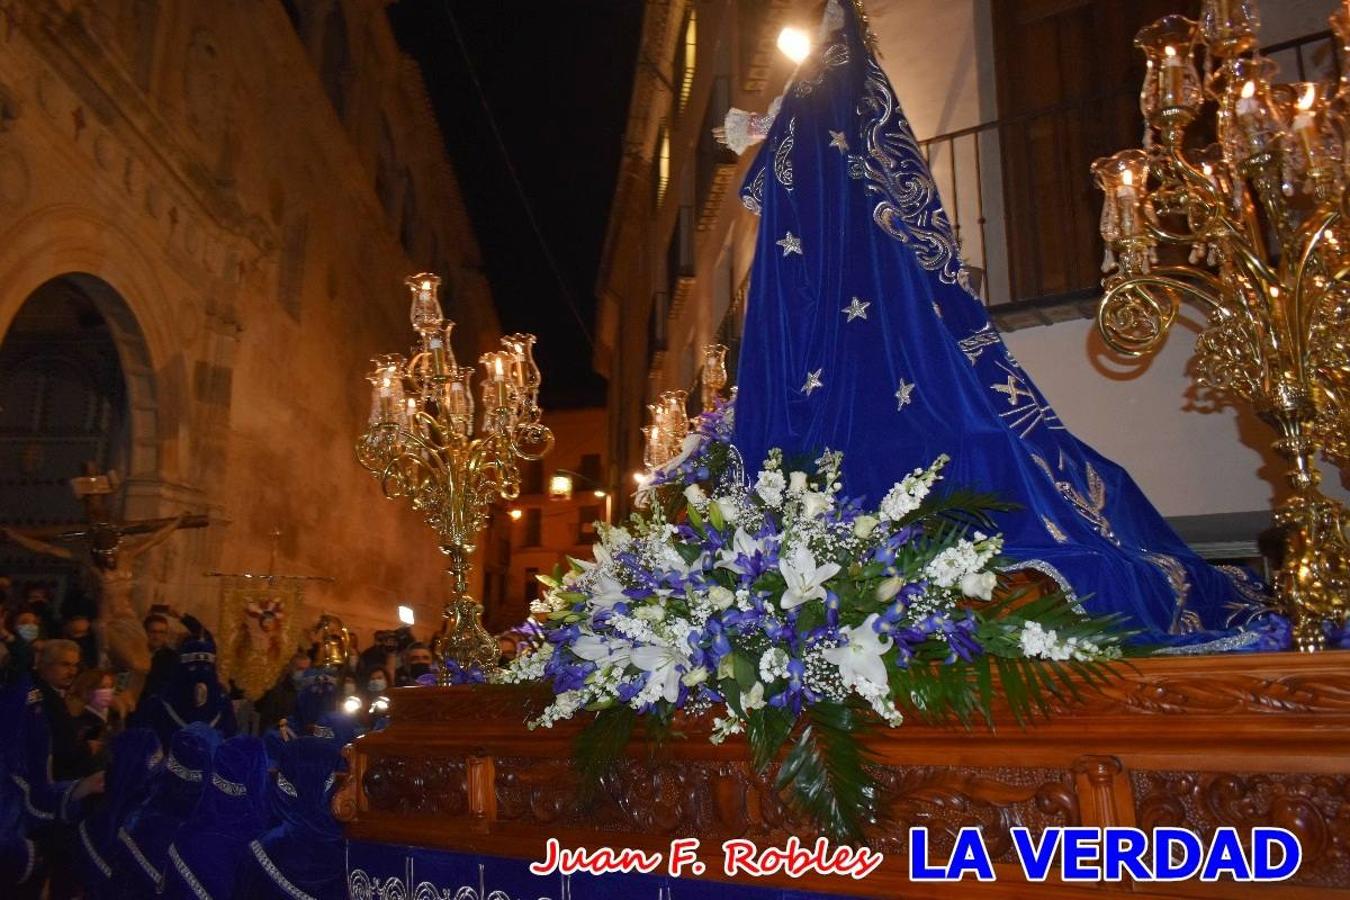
249,182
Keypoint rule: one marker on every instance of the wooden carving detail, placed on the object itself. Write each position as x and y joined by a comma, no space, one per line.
650,798
418,786
1316,808
945,800
1230,692
346,802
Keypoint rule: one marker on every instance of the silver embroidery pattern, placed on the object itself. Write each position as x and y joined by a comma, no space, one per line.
904,394
135,850
1025,412
835,55
782,156
1222,645
362,886
856,309
1251,600
1184,621
284,785
910,209
839,141
752,198
790,244
1092,507
324,731
328,784
275,874
27,792
97,858
182,771
173,714
974,345
30,860
231,788
813,382
1049,571
187,875
1053,530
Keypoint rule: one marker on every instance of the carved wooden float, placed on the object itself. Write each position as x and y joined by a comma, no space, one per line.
1196,742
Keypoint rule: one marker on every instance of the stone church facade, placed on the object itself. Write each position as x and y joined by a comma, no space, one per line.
236,190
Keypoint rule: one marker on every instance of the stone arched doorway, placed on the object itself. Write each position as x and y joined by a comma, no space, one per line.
76,389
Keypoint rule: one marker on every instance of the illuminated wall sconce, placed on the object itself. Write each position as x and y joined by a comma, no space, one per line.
560,487
405,615
516,513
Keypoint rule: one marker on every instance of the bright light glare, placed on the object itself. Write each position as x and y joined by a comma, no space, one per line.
599,493
516,514
405,615
639,478
351,705
795,43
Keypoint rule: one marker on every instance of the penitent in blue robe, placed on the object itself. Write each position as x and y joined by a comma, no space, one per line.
862,336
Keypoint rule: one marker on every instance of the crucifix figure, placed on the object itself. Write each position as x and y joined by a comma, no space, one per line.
113,548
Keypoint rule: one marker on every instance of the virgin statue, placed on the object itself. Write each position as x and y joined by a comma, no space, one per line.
863,336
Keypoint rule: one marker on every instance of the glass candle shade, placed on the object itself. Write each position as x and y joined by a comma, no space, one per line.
1248,124
426,312
1229,27
521,347
1171,83
715,366
1309,137
1123,179
387,395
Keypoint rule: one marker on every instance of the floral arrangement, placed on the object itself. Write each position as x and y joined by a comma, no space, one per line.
789,613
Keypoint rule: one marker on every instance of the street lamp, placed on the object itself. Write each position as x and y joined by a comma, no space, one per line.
598,490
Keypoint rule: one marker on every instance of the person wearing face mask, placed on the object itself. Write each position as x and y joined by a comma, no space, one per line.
376,684
21,632
416,663
90,701
193,694
279,700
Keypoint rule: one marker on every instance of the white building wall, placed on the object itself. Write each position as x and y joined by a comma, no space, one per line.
1190,458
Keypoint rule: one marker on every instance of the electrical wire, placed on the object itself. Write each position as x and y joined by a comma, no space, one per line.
515,178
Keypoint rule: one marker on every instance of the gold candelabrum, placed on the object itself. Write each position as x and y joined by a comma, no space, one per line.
1263,215
668,419
425,444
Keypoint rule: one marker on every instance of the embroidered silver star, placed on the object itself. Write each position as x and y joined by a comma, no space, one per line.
812,382
790,244
857,309
903,394
839,141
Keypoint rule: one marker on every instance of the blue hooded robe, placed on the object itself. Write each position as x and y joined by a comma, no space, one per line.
134,758
143,840
302,855
209,849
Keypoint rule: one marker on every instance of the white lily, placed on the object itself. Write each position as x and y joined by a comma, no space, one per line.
664,665
859,661
597,649
805,580
607,591
741,544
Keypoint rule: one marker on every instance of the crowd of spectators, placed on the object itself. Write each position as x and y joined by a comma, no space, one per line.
119,782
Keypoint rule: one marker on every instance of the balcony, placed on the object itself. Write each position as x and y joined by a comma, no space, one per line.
1023,205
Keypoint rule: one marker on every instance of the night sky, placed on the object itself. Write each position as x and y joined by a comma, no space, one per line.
557,77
